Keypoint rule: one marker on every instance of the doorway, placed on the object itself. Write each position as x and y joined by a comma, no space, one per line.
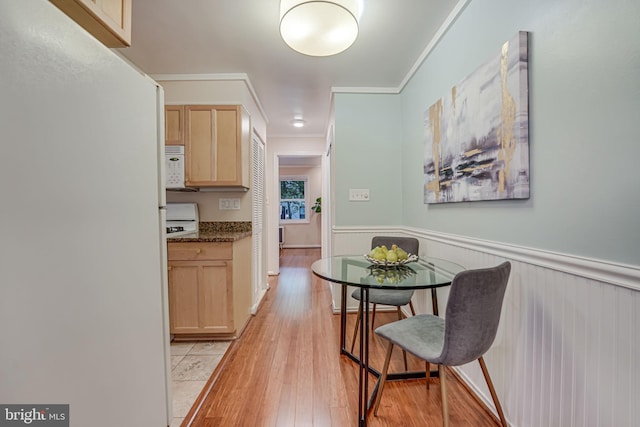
300,201
296,220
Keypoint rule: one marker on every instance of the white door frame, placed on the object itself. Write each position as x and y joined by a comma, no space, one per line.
273,218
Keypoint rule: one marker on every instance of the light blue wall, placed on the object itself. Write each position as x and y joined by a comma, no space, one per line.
367,154
584,111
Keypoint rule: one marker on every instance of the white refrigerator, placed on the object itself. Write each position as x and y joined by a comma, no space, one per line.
83,304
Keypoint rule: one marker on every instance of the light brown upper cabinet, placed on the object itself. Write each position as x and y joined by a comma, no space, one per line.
173,125
107,20
216,146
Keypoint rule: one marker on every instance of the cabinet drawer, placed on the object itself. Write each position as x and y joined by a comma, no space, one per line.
194,251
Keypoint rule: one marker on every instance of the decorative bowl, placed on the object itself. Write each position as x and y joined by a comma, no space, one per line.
385,263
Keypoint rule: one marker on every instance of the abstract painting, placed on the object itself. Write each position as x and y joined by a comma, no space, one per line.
476,138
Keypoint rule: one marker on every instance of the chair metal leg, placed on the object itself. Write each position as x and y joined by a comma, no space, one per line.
494,395
427,370
355,330
383,378
443,392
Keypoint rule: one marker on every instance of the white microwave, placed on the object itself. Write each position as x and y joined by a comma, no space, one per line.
174,169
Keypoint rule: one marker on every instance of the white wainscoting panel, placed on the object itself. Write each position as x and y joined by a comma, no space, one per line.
568,346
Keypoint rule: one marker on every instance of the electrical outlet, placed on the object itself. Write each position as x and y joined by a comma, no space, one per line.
229,204
359,194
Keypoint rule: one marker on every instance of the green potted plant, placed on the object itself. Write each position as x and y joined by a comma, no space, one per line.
317,207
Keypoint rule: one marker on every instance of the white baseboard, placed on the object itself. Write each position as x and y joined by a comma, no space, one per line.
261,294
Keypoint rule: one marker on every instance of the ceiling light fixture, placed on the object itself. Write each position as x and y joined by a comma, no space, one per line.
319,28
298,123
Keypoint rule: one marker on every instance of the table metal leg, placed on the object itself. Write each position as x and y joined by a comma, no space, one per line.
343,318
434,301
364,400
363,375
363,358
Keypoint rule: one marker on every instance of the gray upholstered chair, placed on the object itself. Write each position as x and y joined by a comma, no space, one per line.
393,297
465,334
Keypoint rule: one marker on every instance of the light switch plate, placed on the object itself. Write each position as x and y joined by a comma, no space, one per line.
359,194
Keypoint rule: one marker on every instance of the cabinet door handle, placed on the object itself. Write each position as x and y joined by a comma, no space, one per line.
198,250
169,268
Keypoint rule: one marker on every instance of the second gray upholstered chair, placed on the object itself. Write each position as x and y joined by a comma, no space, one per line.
464,335
394,297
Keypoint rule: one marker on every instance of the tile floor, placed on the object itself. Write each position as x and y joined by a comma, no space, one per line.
192,363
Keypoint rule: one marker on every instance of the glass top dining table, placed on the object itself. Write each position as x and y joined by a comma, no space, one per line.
354,270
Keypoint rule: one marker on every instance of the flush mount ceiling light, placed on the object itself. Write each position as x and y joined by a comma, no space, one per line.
319,28
298,123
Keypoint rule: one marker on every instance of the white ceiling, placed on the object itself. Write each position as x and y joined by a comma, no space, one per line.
241,37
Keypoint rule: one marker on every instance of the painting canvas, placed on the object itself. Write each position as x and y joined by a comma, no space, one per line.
476,137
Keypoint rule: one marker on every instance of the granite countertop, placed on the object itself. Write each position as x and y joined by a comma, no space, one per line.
228,231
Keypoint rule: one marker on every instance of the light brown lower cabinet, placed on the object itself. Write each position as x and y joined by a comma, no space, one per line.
209,288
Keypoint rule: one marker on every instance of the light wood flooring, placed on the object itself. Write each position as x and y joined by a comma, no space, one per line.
286,369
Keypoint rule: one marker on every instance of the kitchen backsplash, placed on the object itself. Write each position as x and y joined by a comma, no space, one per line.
224,226
209,204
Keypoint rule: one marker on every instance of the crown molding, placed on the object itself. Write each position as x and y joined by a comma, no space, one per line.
455,13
